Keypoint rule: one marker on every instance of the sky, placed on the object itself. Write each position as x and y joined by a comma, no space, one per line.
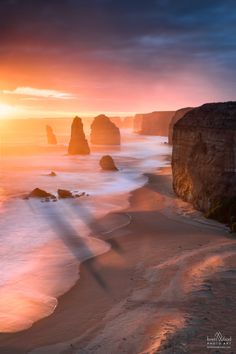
118,57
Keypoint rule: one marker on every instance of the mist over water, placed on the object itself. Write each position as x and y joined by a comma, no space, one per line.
42,244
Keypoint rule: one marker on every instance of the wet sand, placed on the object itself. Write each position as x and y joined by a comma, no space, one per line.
168,282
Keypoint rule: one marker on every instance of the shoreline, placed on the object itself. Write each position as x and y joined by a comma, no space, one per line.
84,320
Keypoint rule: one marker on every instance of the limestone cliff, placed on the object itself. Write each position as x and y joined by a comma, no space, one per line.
137,126
128,123
177,116
104,131
204,159
51,137
78,144
155,123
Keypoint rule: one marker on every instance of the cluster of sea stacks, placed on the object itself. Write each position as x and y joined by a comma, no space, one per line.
203,158
103,132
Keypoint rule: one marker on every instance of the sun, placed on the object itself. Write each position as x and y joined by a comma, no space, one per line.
6,110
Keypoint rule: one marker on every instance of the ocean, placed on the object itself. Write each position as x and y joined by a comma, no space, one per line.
43,243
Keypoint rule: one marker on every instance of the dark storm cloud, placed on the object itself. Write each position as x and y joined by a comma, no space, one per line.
147,35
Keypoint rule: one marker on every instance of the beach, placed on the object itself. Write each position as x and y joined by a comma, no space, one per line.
148,294
117,177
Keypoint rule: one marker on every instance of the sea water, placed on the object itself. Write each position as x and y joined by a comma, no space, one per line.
43,243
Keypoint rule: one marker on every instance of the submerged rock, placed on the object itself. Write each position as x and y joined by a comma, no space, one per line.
107,163
51,137
78,144
52,174
40,193
104,131
64,193
204,159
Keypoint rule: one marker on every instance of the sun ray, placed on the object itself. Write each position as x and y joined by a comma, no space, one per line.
6,110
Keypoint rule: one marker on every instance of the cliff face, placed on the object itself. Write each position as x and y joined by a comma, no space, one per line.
78,144
128,122
177,116
204,159
104,132
51,137
155,123
137,126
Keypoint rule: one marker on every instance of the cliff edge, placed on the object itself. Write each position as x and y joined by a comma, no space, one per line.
155,123
204,160
177,116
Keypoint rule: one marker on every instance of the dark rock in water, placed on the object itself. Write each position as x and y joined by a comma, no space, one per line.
107,163
177,116
204,160
78,144
51,137
78,195
104,131
52,174
64,193
40,193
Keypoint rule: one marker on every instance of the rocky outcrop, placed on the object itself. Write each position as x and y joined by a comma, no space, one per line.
52,174
64,193
78,144
40,193
51,137
155,123
137,125
177,116
107,163
104,132
204,159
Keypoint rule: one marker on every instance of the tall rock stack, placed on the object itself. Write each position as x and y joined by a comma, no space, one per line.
104,132
78,144
177,116
51,137
204,159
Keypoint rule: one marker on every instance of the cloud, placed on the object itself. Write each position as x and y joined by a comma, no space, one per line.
120,42
39,93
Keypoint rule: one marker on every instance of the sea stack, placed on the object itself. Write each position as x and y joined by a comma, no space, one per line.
204,159
155,123
104,132
78,144
177,116
51,137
